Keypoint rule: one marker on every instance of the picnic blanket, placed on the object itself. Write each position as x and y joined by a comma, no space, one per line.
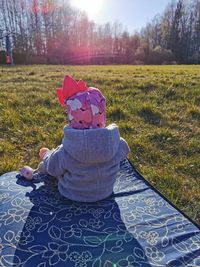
134,227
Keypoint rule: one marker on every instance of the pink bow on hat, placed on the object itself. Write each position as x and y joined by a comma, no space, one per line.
70,87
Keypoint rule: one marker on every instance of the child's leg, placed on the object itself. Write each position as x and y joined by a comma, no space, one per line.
41,168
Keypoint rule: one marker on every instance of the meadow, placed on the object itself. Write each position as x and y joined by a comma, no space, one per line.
157,109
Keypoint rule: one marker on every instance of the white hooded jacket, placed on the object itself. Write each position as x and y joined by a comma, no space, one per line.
87,162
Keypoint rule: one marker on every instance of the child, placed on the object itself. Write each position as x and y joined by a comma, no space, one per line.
87,161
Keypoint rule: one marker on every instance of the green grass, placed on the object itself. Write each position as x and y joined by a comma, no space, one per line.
157,109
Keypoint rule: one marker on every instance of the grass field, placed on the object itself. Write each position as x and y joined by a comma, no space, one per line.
157,109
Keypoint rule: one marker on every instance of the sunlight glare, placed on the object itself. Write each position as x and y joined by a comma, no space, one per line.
91,7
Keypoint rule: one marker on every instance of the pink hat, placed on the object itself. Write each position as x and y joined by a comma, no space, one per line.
85,105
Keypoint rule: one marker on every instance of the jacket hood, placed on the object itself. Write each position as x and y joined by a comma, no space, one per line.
92,145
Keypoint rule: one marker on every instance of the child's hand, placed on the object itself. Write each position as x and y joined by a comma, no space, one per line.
42,152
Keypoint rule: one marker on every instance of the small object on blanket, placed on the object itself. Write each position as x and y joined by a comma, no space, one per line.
31,174
27,172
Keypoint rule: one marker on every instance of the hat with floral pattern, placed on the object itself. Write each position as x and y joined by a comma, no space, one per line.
85,106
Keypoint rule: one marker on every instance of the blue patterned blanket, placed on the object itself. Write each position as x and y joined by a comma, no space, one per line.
135,227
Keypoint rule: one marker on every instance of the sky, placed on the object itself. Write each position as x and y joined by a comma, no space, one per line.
133,14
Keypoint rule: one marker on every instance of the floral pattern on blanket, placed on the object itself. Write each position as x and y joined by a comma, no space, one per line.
134,227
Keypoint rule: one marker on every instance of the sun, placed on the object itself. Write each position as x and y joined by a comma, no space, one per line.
91,7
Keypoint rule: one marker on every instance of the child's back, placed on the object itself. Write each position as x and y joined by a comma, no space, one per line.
87,162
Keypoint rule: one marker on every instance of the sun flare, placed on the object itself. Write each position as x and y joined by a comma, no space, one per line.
91,7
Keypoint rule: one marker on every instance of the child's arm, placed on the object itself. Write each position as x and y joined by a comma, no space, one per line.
53,161
124,149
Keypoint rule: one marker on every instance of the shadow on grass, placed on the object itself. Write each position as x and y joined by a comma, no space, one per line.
117,114
195,114
146,88
149,115
170,94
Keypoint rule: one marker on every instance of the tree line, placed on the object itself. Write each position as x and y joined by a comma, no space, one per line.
52,31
